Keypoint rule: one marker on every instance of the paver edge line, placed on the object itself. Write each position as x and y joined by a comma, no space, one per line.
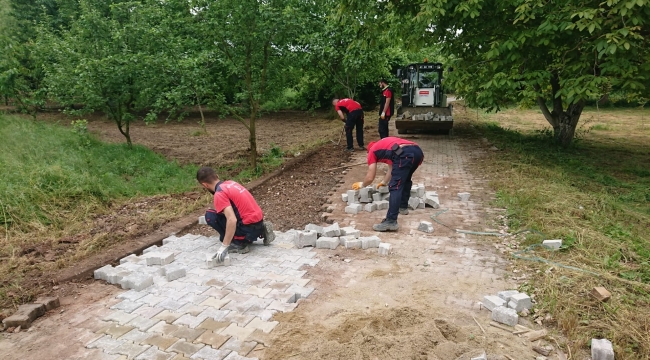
183,223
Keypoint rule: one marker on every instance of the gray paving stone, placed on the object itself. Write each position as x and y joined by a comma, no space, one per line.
105,343
350,231
192,309
170,304
384,249
209,353
143,323
119,317
190,321
215,314
174,271
505,315
126,306
327,243
239,345
154,354
353,244
135,336
186,348
519,302
601,349
305,238
491,302
136,282
302,291
370,242
151,299
317,228
132,295
505,295
234,356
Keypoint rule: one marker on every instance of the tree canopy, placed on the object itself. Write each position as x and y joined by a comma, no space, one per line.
556,54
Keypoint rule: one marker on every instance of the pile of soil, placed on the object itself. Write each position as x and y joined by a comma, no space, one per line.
395,333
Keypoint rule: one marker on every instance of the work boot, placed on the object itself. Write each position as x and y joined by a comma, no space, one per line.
269,235
361,147
350,150
403,211
386,225
235,248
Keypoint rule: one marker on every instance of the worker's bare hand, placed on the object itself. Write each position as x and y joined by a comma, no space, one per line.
357,185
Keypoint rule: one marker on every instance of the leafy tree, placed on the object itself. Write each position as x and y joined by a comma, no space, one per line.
346,47
557,53
106,61
252,38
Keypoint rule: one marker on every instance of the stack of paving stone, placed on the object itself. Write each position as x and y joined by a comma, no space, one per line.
208,313
330,237
506,305
368,199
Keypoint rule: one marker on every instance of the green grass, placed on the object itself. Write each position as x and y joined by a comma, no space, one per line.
48,171
596,196
601,127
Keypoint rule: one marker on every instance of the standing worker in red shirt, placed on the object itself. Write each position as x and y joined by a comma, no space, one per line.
236,216
354,118
403,158
386,107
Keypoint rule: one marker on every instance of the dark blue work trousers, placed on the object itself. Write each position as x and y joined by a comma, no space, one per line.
354,119
244,234
404,166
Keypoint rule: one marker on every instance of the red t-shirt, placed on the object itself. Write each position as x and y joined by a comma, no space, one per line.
242,201
381,150
387,94
347,105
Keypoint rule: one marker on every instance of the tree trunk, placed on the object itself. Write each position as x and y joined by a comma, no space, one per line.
253,142
567,122
564,123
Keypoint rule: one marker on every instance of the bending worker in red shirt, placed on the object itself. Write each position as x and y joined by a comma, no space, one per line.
386,107
355,118
403,158
236,216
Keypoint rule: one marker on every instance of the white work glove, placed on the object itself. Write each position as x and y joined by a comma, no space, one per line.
383,115
221,254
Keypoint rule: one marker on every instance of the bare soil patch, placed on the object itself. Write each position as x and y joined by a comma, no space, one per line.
225,140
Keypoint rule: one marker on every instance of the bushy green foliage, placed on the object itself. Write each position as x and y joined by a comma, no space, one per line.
46,170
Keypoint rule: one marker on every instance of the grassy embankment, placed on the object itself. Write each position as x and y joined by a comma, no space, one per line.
596,197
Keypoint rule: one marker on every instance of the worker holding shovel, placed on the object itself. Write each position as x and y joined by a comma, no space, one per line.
354,118
236,216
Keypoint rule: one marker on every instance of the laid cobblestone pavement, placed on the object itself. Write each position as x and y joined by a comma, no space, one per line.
211,312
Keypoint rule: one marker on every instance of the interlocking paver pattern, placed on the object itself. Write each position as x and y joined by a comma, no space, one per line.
210,312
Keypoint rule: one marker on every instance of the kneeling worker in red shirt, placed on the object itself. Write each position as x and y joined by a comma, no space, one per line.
403,158
236,216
